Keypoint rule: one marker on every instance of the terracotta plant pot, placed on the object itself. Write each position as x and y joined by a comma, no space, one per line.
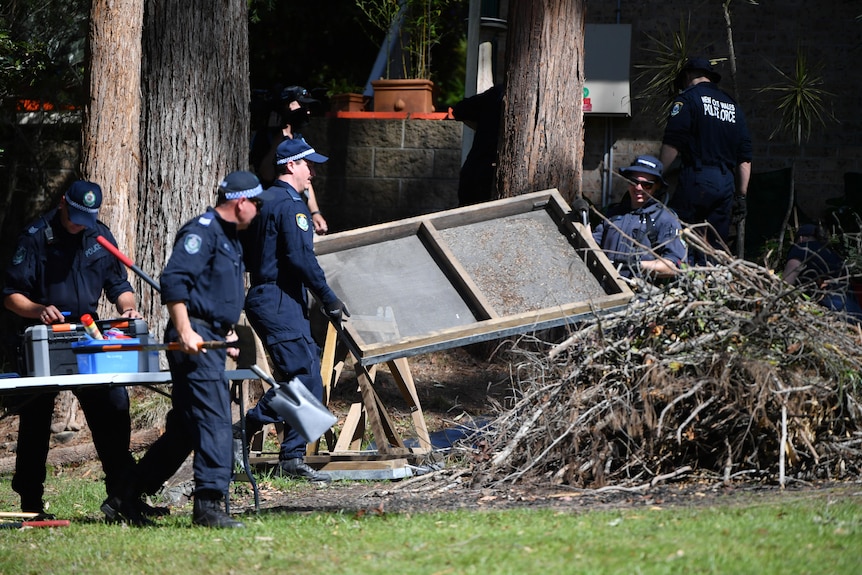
403,96
348,102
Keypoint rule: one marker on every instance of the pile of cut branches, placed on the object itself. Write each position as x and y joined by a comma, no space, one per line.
726,371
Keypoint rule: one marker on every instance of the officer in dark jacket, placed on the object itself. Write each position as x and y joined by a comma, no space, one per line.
293,108
202,285
279,254
821,272
59,267
476,182
706,129
641,236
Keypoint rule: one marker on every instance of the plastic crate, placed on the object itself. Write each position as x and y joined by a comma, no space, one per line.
107,361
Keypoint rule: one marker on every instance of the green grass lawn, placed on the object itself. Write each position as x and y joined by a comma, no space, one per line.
799,532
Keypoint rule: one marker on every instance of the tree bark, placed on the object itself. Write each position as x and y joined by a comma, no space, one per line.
542,138
196,120
110,154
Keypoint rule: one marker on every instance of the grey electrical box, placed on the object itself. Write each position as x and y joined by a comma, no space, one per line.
607,63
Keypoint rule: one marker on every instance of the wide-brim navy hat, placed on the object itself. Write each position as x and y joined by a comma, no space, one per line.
83,200
646,165
702,65
239,184
291,150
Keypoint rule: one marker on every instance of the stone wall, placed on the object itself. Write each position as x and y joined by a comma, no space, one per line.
384,170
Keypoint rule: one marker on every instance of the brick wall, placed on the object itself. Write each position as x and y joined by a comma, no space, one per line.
765,34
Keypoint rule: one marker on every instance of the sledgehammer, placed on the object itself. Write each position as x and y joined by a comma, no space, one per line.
128,262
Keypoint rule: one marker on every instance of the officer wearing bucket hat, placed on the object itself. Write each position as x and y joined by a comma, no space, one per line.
641,236
707,131
202,286
279,255
59,266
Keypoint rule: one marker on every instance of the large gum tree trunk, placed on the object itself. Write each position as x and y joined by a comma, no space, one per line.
111,131
542,139
196,99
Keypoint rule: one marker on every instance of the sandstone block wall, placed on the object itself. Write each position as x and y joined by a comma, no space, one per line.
384,170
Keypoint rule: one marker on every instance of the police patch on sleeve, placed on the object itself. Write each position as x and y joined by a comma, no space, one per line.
302,222
192,244
677,108
20,254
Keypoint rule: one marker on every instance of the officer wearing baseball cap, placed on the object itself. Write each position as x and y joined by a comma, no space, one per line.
58,273
203,287
707,131
83,200
279,255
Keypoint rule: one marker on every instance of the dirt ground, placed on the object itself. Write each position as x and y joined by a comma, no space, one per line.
453,386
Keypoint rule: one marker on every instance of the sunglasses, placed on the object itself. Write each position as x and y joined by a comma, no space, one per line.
645,184
256,201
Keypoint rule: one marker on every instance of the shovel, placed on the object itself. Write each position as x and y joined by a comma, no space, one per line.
298,407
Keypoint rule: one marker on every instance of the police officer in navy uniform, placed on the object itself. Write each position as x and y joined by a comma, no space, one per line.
482,113
641,236
821,272
203,288
279,254
294,110
707,131
59,267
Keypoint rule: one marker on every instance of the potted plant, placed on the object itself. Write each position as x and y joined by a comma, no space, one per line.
411,29
345,97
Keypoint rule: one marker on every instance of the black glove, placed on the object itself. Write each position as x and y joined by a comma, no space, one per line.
580,211
336,312
740,209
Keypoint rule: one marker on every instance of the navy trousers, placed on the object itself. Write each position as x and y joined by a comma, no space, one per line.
199,421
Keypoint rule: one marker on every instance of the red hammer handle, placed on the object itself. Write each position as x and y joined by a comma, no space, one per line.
128,262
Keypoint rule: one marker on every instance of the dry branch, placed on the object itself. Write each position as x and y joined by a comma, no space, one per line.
724,371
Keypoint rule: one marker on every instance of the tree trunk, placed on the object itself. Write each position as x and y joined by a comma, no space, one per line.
196,120
542,138
110,154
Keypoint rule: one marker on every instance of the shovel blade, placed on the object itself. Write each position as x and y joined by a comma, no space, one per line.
301,410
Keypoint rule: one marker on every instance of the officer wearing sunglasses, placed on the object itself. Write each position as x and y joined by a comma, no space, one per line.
641,236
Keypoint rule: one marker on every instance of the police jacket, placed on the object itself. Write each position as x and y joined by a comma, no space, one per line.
279,251
821,264
205,271
708,128
633,234
53,267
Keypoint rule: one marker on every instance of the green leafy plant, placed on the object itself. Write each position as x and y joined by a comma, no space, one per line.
413,26
801,100
669,50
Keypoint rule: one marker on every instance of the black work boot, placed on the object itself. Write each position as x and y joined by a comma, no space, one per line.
148,510
126,510
296,468
211,513
35,505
